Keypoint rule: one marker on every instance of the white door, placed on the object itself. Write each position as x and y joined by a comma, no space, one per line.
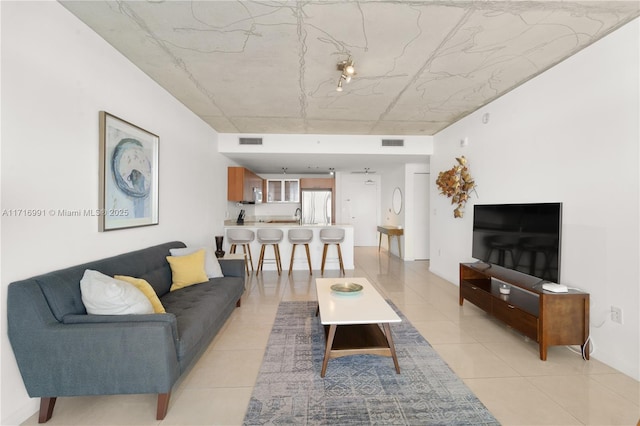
422,210
360,208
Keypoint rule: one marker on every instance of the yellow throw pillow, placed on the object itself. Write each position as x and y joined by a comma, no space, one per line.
148,291
187,270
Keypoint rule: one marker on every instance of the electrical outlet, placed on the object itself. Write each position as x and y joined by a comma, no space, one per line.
616,314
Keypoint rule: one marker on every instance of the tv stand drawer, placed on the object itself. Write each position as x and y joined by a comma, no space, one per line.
518,319
476,295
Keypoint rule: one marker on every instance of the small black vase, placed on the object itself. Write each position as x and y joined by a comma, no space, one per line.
219,251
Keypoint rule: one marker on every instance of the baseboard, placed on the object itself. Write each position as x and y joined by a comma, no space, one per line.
20,414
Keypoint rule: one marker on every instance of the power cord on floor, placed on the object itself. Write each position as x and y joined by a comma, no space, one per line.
589,340
581,350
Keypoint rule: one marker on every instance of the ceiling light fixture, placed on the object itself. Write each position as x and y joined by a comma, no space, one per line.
284,170
347,70
332,171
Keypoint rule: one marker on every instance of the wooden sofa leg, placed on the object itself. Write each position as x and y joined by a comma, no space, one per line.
46,409
163,405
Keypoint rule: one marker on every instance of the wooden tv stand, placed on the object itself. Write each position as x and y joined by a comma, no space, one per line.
548,318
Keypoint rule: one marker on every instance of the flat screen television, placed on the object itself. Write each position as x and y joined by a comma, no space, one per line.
522,237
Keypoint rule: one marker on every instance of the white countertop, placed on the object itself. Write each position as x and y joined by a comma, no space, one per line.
254,224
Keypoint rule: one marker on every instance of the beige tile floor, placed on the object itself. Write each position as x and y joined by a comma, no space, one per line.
499,365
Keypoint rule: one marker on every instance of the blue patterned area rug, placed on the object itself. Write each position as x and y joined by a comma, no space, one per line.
358,389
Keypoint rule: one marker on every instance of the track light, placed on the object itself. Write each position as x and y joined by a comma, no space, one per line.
347,71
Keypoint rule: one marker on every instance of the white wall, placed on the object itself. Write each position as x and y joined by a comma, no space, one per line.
413,215
56,75
569,135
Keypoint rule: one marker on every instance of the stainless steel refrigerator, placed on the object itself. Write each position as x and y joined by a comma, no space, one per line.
316,206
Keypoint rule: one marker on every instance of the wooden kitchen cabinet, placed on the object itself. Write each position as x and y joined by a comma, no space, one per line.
546,317
317,183
242,184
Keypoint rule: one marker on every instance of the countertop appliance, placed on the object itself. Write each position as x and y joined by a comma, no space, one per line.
257,195
240,219
316,206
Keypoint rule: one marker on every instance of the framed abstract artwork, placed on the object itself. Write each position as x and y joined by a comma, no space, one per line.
129,160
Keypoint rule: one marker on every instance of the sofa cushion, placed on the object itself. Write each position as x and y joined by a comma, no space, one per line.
61,289
146,289
187,270
201,309
211,265
103,295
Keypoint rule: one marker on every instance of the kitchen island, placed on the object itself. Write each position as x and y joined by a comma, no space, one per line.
300,261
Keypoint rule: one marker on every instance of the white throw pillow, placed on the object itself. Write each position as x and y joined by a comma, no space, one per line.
103,295
211,264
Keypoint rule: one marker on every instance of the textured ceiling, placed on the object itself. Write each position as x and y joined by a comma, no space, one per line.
270,67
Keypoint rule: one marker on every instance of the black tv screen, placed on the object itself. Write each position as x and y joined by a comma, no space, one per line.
522,237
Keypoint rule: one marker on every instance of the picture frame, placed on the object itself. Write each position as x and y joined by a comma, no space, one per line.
128,174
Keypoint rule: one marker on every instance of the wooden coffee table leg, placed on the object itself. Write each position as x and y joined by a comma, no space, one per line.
392,348
327,350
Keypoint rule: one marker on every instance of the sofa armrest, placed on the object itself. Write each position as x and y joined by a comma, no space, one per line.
98,358
232,267
88,358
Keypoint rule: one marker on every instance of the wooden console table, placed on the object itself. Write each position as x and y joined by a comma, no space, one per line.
546,317
391,231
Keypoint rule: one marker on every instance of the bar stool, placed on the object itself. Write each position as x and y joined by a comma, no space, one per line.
270,236
332,236
300,236
241,237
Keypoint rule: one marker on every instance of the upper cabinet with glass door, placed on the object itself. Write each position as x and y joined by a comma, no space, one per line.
283,191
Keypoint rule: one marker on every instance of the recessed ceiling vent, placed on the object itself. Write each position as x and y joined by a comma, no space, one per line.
392,142
250,141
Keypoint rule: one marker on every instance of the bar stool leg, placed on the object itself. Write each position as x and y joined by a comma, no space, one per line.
293,252
324,258
340,258
276,250
246,265
306,246
261,260
248,249
232,249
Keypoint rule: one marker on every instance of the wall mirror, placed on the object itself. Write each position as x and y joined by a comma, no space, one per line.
396,201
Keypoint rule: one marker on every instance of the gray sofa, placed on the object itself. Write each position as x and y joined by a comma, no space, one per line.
63,351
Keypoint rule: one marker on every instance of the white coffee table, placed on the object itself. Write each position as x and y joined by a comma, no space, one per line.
359,317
